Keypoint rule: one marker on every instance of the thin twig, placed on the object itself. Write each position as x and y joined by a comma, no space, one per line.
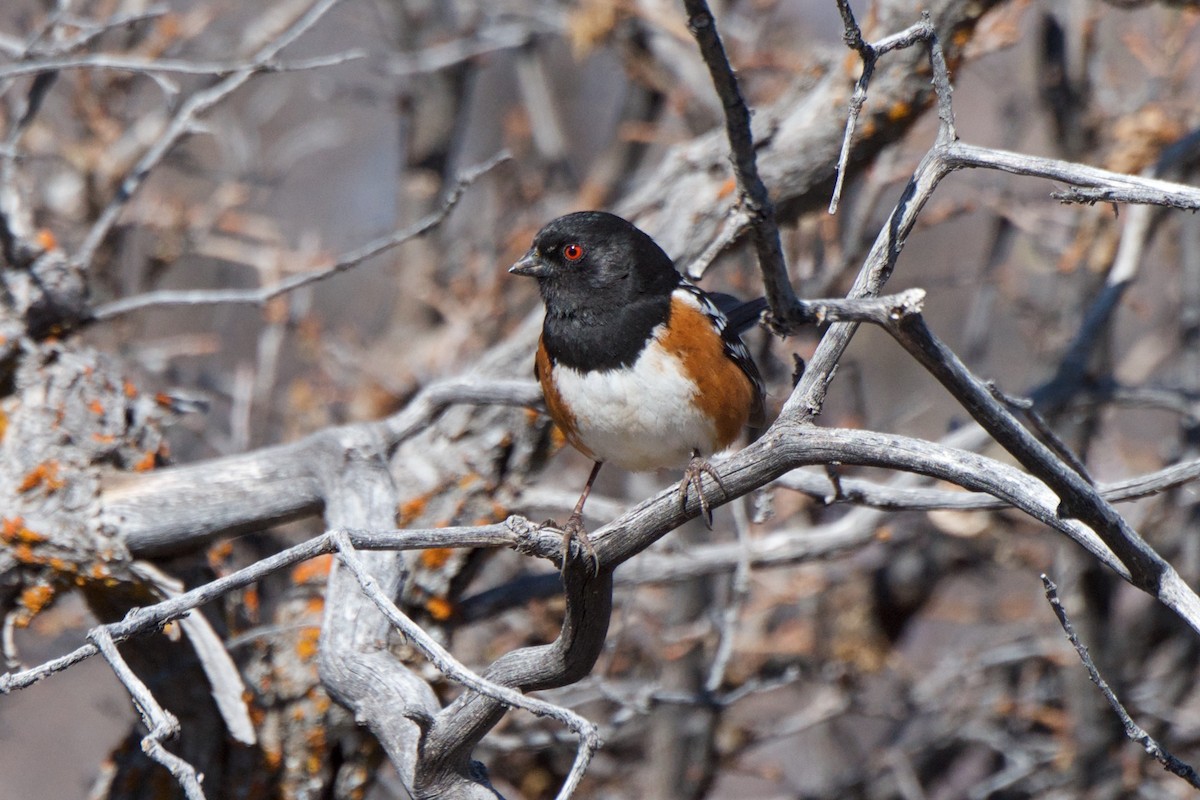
8,644
1028,409
1133,194
1133,731
160,723
755,200
922,31
960,155
852,36
443,55
154,66
1070,377
861,492
65,41
264,294
901,317
147,618
183,123
837,492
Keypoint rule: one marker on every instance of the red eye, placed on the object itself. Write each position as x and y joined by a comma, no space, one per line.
572,252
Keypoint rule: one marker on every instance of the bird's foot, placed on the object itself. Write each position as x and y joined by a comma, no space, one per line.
693,476
574,530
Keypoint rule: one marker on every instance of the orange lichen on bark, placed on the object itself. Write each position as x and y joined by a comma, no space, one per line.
34,600
44,474
313,570
13,530
439,608
24,554
307,641
10,526
218,552
898,111
411,509
320,701
316,743
273,756
45,239
314,737
130,389
147,462
435,557
250,602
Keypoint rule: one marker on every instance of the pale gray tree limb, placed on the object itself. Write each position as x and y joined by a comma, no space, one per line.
862,492
168,510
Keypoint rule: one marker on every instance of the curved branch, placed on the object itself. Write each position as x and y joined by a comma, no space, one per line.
446,753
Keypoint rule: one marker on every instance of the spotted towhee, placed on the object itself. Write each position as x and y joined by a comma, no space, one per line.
639,368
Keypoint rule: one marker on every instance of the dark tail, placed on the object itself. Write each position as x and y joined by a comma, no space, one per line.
742,314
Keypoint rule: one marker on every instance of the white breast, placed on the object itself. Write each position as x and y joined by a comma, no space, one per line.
638,417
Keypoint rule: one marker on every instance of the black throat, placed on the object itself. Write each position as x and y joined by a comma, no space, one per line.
598,338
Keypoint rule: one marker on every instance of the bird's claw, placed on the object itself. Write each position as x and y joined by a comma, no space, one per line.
693,476
574,530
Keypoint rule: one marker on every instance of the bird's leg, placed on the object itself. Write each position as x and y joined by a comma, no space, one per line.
693,476
574,528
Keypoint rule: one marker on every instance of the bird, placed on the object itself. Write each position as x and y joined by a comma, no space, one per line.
638,367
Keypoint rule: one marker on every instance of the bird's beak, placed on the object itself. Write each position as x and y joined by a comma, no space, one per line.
531,265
